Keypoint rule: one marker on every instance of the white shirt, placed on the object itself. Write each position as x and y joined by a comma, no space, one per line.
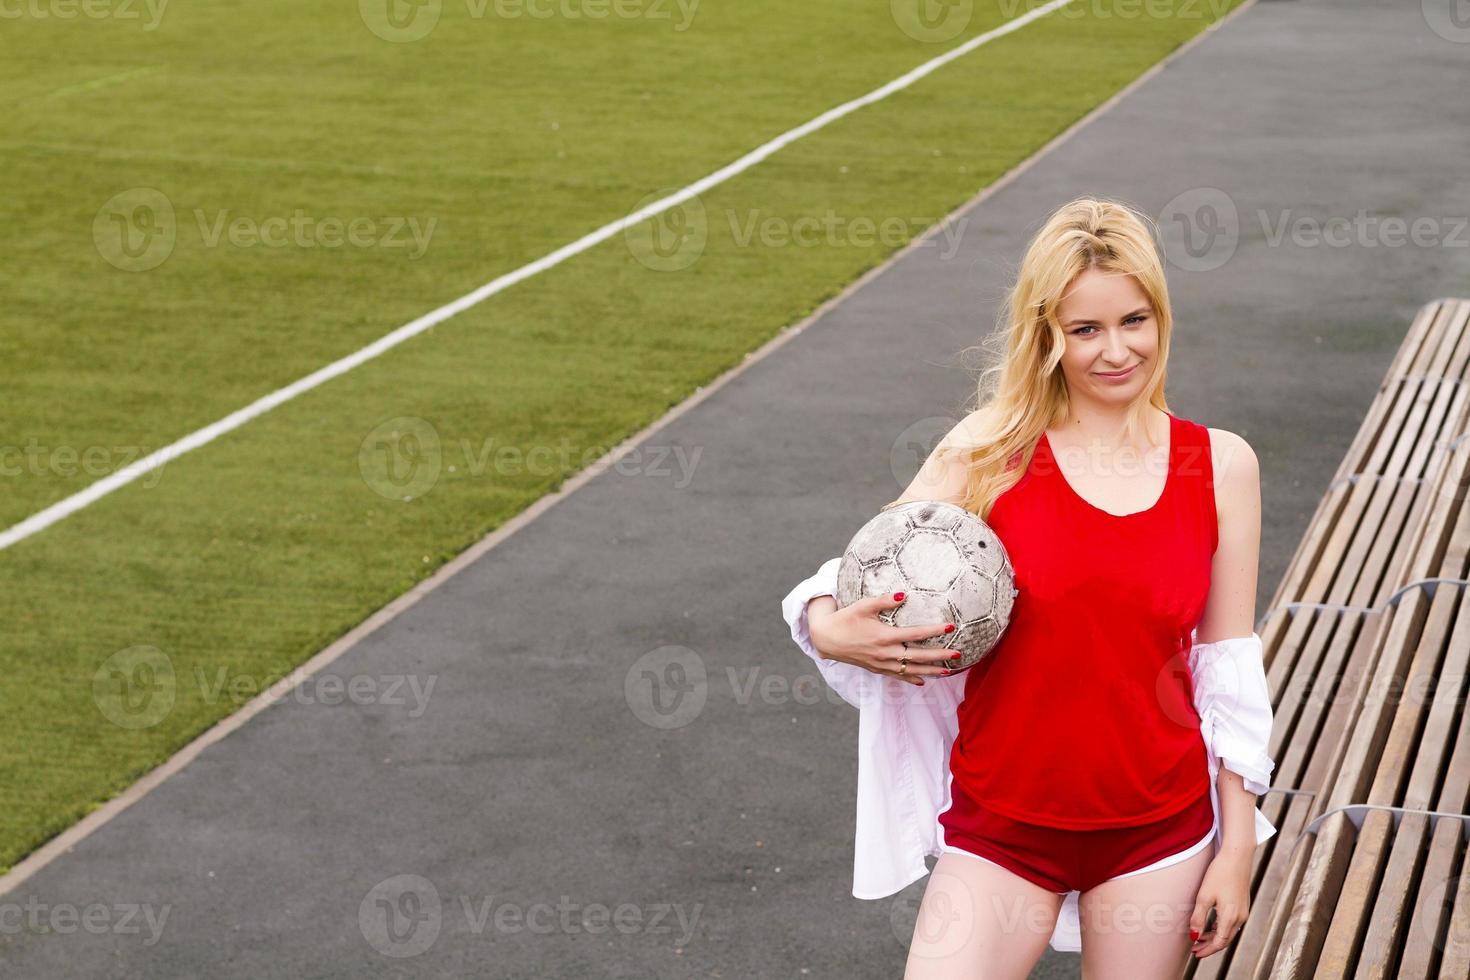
905,733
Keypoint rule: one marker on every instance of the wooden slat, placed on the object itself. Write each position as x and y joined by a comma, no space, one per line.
1380,523
1433,901
1342,918
1423,732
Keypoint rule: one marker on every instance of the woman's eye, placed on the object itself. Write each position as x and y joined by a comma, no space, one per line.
1079,330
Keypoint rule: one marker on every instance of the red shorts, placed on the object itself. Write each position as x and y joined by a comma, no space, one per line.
1062,860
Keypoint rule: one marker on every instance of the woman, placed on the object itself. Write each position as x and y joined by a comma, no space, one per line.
1109,751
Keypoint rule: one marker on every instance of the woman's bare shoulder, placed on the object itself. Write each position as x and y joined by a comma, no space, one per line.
1237,471
969,431
944,475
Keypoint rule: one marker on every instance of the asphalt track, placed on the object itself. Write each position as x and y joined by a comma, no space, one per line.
537,797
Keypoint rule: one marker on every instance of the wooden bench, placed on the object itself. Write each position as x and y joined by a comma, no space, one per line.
1371,613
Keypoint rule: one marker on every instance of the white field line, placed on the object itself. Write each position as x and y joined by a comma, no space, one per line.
43,519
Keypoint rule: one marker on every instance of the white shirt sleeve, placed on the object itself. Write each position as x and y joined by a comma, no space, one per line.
1234,706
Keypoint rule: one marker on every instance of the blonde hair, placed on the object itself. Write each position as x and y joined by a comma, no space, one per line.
1025,393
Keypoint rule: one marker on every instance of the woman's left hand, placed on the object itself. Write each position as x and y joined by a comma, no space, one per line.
1226,888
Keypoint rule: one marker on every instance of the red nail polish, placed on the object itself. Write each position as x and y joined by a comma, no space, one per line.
949,628
945,673
955,656
1193,934
898,597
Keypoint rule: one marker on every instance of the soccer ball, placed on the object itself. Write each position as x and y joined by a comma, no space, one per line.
949,563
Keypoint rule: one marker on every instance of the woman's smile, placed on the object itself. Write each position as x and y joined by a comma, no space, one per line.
1118,376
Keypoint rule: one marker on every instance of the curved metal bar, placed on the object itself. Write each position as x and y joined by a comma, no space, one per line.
1357,811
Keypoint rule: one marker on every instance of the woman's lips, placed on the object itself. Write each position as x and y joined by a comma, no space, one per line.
1117,377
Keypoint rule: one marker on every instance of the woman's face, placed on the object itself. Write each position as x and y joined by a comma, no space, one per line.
1109,327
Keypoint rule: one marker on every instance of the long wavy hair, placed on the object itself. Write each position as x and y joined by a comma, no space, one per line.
1024,392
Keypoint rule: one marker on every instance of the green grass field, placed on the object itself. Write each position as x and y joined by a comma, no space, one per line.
508,136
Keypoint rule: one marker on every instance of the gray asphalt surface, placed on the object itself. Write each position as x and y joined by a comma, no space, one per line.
536,793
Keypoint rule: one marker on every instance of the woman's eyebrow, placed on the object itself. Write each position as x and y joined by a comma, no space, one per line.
1083,321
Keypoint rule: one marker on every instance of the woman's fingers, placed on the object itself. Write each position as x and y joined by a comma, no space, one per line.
911,676
921,663
1221,936
916,634
939,657
903,634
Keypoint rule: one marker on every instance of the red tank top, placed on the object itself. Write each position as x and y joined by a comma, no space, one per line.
1083,715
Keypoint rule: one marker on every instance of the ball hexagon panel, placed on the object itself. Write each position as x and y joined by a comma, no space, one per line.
882,577
932,558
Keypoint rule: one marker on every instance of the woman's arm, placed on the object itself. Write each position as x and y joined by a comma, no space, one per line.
1230,689
1230,609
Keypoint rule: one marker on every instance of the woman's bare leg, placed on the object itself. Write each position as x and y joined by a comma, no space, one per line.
979,921
1137,928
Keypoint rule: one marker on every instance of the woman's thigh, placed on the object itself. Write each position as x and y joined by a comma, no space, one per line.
979,921
1137,928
